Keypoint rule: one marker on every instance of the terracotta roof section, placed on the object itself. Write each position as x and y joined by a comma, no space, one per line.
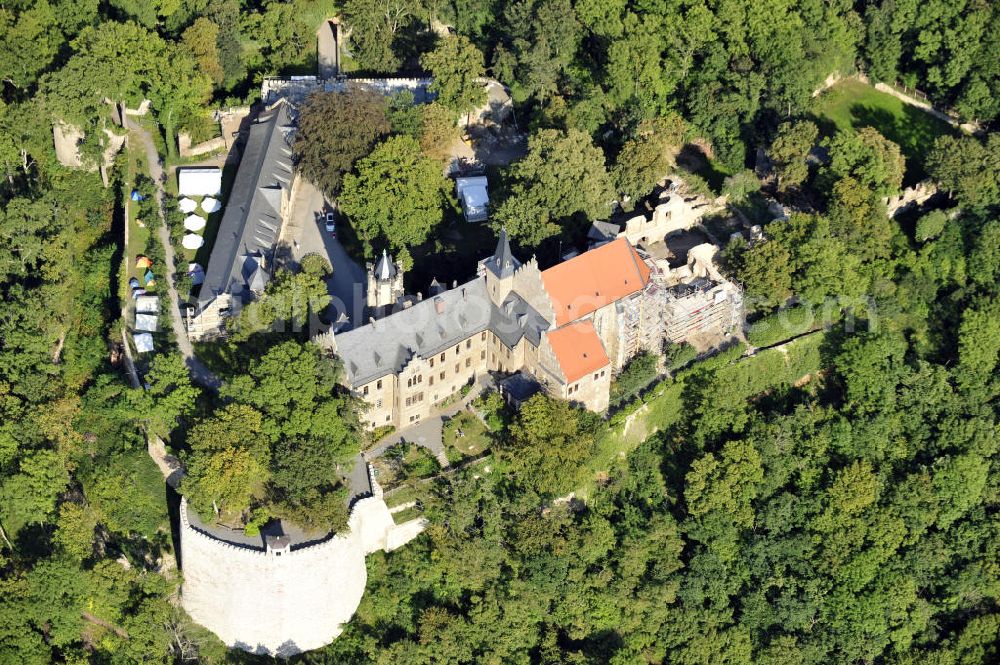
594,279
578,349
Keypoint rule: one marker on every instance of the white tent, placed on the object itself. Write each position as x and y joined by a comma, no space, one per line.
143,342
194,223
145,322
196,273
187,205
210,205
192,241
147,304
199,181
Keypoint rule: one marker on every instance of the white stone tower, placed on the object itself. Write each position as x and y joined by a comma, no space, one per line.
385,286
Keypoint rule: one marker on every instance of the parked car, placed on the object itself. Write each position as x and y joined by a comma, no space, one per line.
330,227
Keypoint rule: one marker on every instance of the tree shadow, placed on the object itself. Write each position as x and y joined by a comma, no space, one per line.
692,158
914,131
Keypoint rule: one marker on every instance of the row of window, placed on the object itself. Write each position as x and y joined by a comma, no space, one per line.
576,386
419,397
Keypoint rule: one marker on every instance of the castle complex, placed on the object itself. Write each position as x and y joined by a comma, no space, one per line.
569,328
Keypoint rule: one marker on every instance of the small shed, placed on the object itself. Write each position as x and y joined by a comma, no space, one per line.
518,388
474,197
602,232
145,322
206,181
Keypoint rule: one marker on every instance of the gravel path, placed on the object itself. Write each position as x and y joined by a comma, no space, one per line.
200,374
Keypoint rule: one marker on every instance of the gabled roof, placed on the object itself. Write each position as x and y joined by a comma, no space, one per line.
514,318
578,349
252,219
594,279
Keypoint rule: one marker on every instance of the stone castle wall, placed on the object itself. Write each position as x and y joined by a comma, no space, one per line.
282,603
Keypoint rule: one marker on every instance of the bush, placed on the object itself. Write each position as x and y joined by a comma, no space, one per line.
411,461
315,265
678,355
931,225
491,405
636,375
258,518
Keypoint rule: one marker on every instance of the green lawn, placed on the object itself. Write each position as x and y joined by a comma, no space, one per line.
474,439
138,236
852,103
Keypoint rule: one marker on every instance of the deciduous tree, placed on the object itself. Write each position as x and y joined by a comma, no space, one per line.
562,174
789,150
335,130
457,67
398,194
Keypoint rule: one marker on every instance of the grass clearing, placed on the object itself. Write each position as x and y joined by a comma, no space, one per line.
665,405
465,435
406,515
853,104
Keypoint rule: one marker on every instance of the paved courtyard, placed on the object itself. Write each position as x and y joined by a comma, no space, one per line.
429,433
305,233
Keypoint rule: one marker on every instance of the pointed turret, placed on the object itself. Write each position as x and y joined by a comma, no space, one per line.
499,269
502,263
384,286
385,269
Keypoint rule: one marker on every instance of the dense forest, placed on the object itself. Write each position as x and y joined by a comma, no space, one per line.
833,500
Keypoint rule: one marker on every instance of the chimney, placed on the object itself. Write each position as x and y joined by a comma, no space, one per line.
454,283
420,296
439,305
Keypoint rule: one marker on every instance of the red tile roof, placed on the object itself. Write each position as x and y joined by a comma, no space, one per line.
578,349
594,279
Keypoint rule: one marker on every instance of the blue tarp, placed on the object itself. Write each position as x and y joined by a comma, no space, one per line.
136,196
148,277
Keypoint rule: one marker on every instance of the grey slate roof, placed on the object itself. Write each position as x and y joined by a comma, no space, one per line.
251,222
424,329
433,325
603,231
502,263
515,318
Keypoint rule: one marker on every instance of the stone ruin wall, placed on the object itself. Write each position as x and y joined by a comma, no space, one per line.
282,604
